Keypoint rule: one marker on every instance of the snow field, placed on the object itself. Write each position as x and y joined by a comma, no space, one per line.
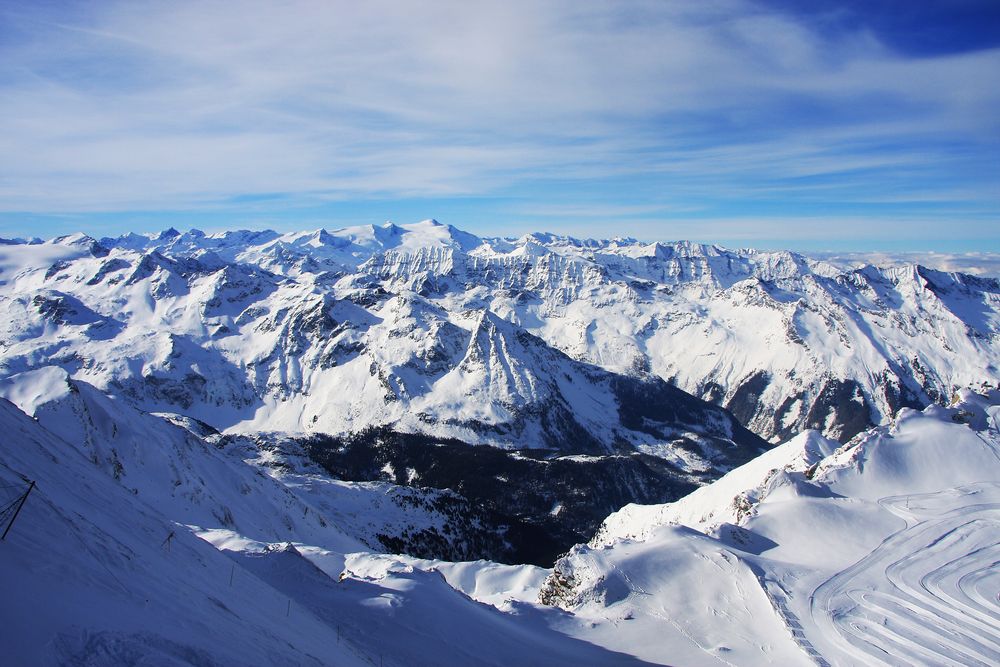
884,551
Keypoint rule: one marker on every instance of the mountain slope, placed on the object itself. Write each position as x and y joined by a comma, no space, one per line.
336,331
263,488
245,349
95,575
99,572
883,551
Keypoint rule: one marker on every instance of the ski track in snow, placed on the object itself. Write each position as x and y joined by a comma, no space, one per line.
779,600
937,604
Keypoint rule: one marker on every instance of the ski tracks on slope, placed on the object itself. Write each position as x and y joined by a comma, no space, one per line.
928,593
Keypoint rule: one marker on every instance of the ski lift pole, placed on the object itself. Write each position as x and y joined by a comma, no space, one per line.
17,511
166,542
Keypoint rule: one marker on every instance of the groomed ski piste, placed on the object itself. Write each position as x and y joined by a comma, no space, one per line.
884,551
143,544
924,594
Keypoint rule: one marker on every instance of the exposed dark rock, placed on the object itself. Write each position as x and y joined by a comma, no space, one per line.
745,402
841,409
539,502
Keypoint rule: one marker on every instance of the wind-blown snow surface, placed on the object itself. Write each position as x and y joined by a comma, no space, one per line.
882,552
335,331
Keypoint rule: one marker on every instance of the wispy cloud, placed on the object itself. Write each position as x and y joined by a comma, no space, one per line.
194,105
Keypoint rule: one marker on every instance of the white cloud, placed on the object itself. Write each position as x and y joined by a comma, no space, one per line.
179,104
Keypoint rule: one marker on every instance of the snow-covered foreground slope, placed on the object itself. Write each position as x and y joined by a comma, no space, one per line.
882,552
90,577
445,333
104,567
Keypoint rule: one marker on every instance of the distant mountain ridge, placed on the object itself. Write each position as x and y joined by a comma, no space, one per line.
336,331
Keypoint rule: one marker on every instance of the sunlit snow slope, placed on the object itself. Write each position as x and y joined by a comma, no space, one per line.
882,552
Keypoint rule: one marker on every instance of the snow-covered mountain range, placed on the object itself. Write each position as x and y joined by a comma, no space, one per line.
307,404
525,342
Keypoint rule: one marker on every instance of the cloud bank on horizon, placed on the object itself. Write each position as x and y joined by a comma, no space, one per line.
850,125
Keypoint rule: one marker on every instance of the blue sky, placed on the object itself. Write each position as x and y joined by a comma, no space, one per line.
821,125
